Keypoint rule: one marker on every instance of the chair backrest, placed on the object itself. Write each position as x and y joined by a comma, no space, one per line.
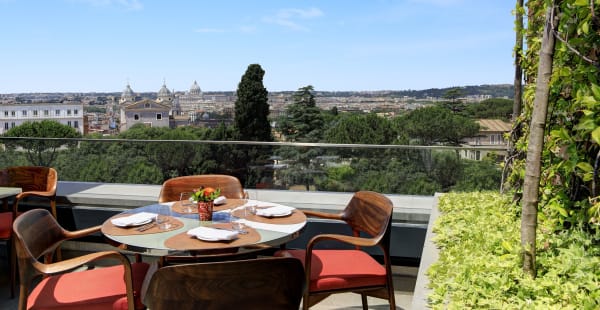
37,233
230,186
370,212
30,178
264,283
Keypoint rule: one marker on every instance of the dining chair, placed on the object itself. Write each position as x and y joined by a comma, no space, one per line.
331,271
37,235
230,186
262,283
34,181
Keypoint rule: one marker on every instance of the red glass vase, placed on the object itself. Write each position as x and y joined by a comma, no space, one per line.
205,210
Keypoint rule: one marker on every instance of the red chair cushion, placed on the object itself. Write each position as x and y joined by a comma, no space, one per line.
340,269
6,220
102,288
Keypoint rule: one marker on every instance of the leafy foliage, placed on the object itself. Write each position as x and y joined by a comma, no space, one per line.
251,107
435,124
41,152
478,265
569,179
303,121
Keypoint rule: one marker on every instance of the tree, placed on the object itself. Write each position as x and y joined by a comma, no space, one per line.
361,128
454,95
251,107
495,108
534,149
303,121
437,124
42,152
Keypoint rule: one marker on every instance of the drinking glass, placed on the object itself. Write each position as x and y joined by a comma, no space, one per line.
163,218
187,205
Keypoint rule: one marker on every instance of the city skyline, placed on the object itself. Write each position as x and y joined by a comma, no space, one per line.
101,45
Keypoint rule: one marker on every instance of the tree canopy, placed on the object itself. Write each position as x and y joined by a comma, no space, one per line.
42,152
251,118
303,120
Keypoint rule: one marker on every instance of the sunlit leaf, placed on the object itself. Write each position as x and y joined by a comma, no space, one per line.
596,135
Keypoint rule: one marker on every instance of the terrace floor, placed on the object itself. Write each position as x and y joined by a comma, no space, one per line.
404,284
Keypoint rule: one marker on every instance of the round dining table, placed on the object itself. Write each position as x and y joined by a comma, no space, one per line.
259,232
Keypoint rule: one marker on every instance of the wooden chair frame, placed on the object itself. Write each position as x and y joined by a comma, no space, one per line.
30,248
34,181
230,186
367,212
264,283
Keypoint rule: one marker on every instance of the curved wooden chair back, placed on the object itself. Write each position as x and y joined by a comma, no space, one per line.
38,234
370,212
33,181
264,283
230,186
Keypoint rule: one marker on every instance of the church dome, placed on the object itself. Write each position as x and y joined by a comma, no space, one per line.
164,91
195,89
127,92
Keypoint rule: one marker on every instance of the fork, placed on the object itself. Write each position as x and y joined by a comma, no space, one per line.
146,226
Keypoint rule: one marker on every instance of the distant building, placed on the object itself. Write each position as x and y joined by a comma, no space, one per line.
127,95
491,134
147,112
70,114
190,101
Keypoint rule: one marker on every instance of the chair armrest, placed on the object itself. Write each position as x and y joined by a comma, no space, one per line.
73,263
35,193
82,232
356,241
323,215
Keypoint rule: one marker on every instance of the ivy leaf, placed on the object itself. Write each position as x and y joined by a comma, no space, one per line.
507,246
585,28
581,2
596,91
596,135
586,167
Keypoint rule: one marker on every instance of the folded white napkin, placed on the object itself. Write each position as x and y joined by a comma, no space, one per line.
134,219
212,234
275,211
220,200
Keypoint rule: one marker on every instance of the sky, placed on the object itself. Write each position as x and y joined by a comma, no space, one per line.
333,45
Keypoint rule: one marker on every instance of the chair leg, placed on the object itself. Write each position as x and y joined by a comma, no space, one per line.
12,253
363,298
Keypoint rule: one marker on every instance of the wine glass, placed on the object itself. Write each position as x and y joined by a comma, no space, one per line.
185,199
163,218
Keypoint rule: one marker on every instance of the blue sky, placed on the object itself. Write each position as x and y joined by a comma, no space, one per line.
100,45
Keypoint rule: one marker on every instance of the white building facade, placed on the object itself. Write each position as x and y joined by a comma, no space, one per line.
70,114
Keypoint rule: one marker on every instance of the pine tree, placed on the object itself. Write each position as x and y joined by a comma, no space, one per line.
303,121
251,107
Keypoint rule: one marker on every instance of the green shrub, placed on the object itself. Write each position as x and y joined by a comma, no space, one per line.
479,264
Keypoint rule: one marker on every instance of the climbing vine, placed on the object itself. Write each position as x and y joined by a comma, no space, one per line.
570,183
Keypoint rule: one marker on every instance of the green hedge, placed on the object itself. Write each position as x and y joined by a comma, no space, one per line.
479,265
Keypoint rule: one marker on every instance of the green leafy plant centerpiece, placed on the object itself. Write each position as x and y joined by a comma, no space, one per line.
206,194
205,197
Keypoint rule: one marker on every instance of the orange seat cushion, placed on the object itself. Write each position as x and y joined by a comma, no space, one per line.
6,220
102,288
337,269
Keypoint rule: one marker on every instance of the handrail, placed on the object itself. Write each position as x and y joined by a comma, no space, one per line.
263,143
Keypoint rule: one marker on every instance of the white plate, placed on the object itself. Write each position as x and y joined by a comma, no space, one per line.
146,221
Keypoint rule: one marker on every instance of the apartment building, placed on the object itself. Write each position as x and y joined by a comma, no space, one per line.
69,113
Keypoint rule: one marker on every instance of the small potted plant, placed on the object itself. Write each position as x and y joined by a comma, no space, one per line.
205,197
